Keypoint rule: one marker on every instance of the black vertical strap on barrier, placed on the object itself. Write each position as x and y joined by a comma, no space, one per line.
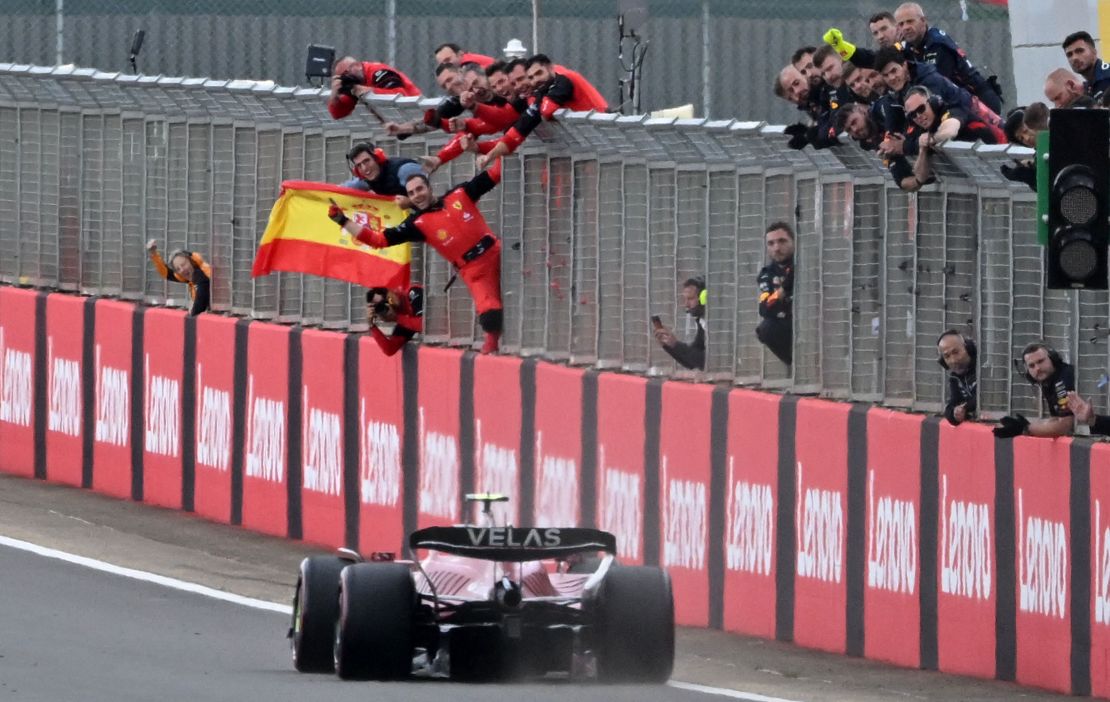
1005,603
1080,498
587,481
528,468
927,545
718,491
88,392
138,402
40,391
188,416
785,529
239,418
352,430
467,469
294,479
410,448
653,496
239,412
855,561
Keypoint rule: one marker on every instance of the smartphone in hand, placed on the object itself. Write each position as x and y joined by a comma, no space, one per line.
656,321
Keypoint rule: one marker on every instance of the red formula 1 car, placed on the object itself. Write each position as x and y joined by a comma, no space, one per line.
486,602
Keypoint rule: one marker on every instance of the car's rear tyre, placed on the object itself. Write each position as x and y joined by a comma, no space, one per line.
634,625
315,611
374,634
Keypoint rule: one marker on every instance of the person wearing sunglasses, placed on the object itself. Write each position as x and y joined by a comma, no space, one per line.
933,122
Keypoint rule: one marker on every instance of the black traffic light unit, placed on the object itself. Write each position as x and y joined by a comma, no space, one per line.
1079,182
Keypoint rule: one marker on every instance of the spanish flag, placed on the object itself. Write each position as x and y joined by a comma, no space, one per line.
300,238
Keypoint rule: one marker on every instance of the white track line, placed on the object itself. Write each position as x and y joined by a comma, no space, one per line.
184,586
725,692
145,576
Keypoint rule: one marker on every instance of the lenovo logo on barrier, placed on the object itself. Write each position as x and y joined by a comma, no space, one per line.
496,465
620,495
750,539
1043,551
819,524
15,385
685,514
321,448
965,542
439,477
213,425
64,406
379,461
265,436
1102,568
557,500
113,404
162,413
892,545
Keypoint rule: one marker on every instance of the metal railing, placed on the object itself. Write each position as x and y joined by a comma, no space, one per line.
602,217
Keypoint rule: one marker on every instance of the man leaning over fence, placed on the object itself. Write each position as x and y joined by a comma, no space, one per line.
185,267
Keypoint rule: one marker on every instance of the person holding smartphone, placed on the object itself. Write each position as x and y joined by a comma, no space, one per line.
689,355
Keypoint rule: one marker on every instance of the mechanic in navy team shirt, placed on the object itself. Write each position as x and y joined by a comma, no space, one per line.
1079,48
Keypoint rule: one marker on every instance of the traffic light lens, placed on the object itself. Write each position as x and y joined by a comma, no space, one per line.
1078,205
1078,259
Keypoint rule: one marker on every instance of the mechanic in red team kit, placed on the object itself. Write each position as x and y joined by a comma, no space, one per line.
404,310
454,227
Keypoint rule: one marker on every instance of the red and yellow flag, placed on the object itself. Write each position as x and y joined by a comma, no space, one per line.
300,238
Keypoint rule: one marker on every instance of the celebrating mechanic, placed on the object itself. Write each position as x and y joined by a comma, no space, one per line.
403,309
185,267
455,228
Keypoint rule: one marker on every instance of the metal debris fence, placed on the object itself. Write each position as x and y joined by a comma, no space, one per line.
602,216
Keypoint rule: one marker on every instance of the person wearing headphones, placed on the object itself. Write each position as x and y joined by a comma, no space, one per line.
185,267
377,173
403,309
776,293
1046,370
689,355
958,356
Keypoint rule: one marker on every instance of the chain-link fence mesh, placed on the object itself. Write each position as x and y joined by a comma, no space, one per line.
718,55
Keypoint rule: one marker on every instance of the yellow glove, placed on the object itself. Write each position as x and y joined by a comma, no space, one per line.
835,38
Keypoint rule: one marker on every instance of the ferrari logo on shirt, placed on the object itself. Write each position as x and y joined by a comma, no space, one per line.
442,234
457,205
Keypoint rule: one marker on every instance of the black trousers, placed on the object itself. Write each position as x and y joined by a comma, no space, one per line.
777,335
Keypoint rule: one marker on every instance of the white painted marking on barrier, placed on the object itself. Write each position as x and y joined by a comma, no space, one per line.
725,692
162,580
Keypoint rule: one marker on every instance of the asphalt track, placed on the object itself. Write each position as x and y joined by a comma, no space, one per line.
71,632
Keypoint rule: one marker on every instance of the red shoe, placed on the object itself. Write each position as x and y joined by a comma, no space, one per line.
493,343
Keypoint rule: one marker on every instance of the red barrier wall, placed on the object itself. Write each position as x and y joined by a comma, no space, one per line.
1042,528
214,433
684,486
163,340
821,521
112,408
65,371
620,462
497,433
967,570
381,421
558,452
265,446
438,497
17,380
321,398
892,593
1100,570
751,506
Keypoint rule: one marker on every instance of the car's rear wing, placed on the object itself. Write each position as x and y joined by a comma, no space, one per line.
513,543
